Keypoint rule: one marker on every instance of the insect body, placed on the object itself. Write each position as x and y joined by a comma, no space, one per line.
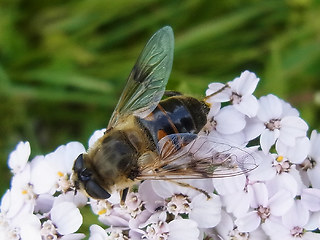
147,138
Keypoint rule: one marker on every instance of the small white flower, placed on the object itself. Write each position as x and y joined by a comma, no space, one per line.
264,207
291,226
227,230
279,122
157,230
239,92
133,204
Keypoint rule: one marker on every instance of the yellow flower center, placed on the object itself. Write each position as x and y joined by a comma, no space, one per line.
279,158
60,174
102,211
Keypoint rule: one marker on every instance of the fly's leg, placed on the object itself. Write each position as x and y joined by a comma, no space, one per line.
186,185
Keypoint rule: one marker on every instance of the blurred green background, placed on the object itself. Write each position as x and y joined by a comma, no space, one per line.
63,64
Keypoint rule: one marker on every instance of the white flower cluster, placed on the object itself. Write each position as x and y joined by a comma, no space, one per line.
280,199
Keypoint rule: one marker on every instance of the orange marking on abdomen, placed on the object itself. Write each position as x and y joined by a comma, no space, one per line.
161,134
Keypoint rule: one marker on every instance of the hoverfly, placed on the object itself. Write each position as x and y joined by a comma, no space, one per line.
150,138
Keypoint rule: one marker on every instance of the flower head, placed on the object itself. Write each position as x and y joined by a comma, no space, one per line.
268,191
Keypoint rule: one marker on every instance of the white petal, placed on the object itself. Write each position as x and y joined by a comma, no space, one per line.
151,199
284,181
141,219
296,175
280,203
288,110
248,106
237,203
230,185
114,220
30,227
297,215
97,233
264,171
296,154
62,159
166,189
223,96
260,195
248,222
95,136
16,203
205,184
291,128
19,157
30,233
270,108
44,203
310,197
183,229
67,217
314,175
311,236
229,120
313,223
5,201
72,151
78,199
237,139
315,143
254,127
43,176
74,236
275,229
206,212
214,109
259,234
225,226
267,139
245,84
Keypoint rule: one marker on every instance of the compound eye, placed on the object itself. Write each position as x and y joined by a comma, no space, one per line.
78,163
94,190
84,175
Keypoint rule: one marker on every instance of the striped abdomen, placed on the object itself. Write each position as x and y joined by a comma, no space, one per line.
178,114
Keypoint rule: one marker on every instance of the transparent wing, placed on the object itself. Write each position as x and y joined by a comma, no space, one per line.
203,157
148,78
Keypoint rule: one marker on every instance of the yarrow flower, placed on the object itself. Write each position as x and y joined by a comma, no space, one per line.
276,195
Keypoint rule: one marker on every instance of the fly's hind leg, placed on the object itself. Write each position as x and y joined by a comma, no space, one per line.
186,185
169,93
